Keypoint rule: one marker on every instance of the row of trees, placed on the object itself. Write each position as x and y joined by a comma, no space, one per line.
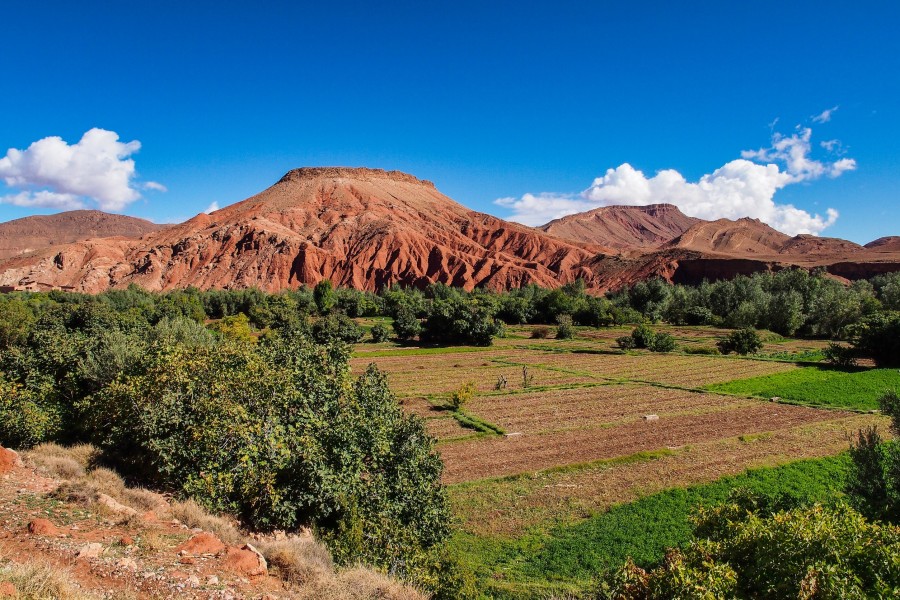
789,302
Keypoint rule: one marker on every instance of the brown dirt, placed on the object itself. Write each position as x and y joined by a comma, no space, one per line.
509,507
500,456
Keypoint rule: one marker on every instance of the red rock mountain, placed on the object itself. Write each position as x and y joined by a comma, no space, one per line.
364,228
886,244
369,228
29,234
623,227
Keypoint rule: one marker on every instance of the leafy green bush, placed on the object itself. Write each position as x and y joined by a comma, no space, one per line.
406,324
643,336
662,342
813,552
379,333
24,422
879,337
625,342
459,320
743,341
324,297
279,435
840,356
564,328
336,327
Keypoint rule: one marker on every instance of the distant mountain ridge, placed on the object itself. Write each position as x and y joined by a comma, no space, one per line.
38,232
370,228
623,227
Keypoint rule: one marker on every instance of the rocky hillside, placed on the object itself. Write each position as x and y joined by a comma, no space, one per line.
623,227
75,533
369,228
364,228
30,234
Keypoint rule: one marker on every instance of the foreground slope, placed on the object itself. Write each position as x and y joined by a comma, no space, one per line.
364,228
35,233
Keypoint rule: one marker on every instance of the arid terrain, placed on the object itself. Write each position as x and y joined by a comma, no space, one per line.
368,228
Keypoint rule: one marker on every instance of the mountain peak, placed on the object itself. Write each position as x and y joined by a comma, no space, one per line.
356,173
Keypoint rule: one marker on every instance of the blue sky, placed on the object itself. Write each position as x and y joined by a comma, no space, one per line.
528,102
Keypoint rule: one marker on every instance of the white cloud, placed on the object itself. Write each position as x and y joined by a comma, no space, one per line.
741,188
98,167
155,186
212,207
825,115
43,199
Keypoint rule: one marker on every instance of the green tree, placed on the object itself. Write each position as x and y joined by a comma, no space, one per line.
324,296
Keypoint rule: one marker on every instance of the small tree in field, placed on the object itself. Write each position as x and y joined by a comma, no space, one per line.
743,341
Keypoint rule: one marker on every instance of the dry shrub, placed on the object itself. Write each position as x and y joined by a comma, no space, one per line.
39,581
143,500
151,541
357,583
61,461
193,515
80,491
299,560
107,481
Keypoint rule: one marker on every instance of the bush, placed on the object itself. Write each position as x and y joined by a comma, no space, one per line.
564,329
406,324
279,435
662,342
336,327
702,350
379,333
463,395
459,320
743,341
540,333
813,552
841,356
879,338
643,336
24,420
625,342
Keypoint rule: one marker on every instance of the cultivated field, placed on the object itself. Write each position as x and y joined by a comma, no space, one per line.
559,431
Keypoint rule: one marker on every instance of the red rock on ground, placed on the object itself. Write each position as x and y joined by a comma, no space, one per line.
246,561
202,543
42,527
7,590
8,460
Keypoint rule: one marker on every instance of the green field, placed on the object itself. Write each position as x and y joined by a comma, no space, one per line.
819,386
568,556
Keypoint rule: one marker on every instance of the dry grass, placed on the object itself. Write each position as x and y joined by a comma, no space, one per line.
60,461
39,581
357,583
193,515
299,560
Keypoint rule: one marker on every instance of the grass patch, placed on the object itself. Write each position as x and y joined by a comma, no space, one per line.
820,386
470,421
567,557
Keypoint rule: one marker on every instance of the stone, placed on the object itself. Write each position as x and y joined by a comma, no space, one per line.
651,417
9,460
212,580
114,505
246,561
202,543
42,527
92,550
127,564
8,590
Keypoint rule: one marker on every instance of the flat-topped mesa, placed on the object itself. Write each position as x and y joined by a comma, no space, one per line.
358,173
